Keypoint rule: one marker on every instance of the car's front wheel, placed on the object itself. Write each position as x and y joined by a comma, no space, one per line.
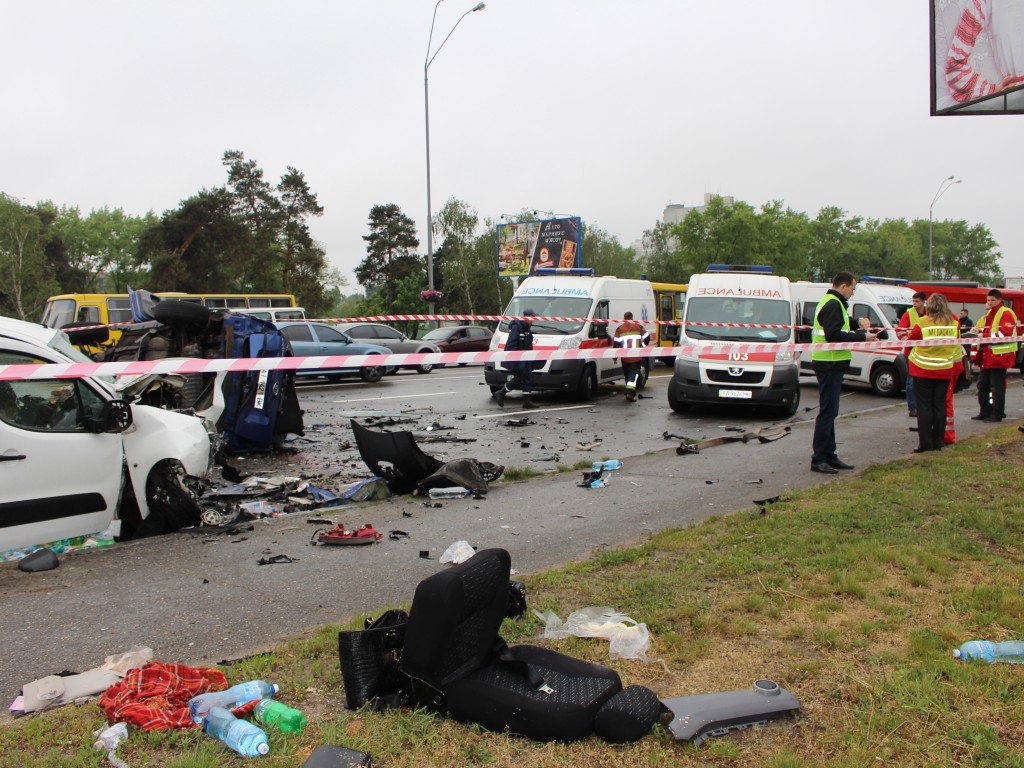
172,505
371,374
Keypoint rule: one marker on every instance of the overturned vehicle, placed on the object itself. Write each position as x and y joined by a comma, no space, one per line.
252,410
75,459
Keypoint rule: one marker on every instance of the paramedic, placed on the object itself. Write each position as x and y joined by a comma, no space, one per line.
631,335
832,325
933,367
520,338
911,318
994,359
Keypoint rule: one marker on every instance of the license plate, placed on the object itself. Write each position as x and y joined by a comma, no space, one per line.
736,394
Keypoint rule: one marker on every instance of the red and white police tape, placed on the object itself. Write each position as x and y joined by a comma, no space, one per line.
737,352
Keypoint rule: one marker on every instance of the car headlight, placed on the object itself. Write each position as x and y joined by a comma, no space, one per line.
785,356
570,342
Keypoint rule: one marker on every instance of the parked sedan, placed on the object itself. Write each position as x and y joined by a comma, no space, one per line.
313,339
394,340
461,338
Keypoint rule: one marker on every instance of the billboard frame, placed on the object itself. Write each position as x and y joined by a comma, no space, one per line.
998,103
524,246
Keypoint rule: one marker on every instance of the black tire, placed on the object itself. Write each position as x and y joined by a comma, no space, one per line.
790,408
371,374
587,386
885,380
424,368
171,505
674,402
181,314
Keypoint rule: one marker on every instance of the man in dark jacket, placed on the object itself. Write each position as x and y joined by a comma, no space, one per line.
831,326
520,337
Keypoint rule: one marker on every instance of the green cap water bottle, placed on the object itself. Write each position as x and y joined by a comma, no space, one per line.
279,716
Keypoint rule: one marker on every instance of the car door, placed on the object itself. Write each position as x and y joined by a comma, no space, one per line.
58,479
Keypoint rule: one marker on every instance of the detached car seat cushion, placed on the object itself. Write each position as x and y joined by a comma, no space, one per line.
499,698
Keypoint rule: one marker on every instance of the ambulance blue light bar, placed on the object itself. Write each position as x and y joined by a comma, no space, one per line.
884,280
761,269
585,271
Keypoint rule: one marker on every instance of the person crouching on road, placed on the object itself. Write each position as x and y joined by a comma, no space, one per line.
631,335
520,338
831,326
932,368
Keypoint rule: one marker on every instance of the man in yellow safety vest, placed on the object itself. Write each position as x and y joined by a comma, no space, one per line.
832,325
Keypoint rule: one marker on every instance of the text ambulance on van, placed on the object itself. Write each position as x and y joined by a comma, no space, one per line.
882,301
717,302
574,293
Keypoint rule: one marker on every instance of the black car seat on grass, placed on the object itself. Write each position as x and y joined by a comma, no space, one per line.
462,668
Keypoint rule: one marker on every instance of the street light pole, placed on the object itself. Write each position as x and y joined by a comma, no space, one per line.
943,186
426,115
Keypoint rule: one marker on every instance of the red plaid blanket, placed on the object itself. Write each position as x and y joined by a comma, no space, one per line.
155,697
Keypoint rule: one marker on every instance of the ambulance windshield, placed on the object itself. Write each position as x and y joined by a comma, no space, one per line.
893,312
550,306
728,315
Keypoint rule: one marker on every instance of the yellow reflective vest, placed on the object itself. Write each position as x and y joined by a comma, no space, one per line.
818,334
940,357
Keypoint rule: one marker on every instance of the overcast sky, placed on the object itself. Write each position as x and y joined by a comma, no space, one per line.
604,109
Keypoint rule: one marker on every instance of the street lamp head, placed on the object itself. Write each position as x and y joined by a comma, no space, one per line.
478,7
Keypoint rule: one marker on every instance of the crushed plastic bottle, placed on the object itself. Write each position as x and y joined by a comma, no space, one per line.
242,736
235,696
607,465
280,716
108,739
1009,651
455,492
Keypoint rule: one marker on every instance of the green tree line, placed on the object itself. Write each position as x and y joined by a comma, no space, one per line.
791,242
243,237
251,236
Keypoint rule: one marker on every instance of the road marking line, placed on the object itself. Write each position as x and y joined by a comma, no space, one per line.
536,410
391,397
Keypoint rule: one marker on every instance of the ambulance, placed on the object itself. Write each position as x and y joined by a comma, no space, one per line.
713,370
882,300
590,302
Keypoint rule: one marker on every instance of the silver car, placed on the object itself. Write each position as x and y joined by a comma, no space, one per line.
395,340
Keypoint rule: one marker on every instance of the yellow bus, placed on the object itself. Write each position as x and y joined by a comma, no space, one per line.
671,299
108,308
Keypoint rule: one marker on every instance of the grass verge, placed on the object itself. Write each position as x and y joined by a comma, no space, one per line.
850,595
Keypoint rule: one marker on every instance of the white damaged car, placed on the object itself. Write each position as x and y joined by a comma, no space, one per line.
75,460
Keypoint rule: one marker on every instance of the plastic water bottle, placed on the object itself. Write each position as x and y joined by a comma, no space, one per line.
242,736
277,715
1010,651
235,696
448,493
607,465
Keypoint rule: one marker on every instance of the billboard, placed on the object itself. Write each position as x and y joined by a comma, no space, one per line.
525,246
977,57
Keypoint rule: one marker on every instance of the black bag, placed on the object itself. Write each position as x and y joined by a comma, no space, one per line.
371,663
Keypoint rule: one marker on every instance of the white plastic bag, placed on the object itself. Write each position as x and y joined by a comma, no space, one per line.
628,639
459,552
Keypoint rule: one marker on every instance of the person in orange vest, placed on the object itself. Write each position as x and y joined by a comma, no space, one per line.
994,359
631,335
911,318
932,368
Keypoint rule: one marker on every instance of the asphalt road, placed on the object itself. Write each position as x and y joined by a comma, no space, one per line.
200,599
